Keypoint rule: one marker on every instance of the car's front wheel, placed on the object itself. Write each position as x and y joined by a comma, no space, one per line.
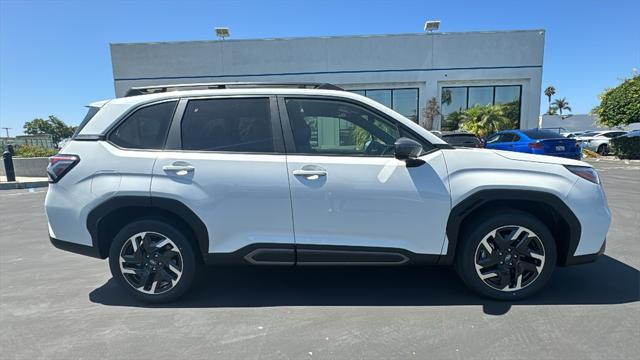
153,261
507,256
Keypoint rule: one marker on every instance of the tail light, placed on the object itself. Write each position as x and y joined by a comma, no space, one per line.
59,165
536,145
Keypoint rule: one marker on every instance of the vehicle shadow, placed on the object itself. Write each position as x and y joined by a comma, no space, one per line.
607,281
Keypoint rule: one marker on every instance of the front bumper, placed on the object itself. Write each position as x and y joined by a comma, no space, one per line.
75,248
585,259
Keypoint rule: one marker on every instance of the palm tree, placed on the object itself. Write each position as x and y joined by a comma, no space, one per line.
483,120
549,92
561,104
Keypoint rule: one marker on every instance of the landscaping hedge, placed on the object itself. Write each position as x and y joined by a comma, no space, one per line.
28,151
626,147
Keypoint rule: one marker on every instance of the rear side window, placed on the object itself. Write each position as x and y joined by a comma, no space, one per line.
235,125
146,128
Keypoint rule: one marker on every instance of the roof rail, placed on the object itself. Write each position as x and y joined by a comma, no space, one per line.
153,89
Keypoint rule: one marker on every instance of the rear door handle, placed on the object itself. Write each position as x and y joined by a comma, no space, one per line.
180,170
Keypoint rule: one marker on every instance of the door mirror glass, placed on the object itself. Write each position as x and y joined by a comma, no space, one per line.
406,149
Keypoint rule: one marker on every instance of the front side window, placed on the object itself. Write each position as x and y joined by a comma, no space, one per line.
146,128
235,125
339,128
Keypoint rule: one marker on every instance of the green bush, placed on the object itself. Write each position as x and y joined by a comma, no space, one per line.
626,147
34,151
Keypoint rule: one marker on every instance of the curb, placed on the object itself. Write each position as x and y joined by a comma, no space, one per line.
23,185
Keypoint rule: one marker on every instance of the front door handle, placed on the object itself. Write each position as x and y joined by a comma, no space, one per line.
179,169
310,173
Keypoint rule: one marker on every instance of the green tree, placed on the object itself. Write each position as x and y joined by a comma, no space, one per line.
620,105
52,126
452,121
549,92
483,120
561,104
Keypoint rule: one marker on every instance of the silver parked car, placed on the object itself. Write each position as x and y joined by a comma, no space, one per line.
599,142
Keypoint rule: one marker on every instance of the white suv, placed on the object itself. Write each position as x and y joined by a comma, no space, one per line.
270,174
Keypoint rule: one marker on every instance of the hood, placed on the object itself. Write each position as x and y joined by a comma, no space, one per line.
512,155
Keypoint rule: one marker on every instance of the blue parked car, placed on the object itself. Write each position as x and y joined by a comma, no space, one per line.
534,141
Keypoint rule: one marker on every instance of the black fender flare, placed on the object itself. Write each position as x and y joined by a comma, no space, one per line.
149,204
483,197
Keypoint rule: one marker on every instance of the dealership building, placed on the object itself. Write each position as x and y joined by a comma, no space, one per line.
402,71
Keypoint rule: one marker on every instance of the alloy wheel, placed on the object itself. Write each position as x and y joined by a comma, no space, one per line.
151,263
509,258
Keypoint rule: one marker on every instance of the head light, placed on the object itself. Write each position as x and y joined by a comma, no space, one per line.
585,172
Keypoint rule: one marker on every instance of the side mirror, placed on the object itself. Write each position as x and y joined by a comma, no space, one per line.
407,149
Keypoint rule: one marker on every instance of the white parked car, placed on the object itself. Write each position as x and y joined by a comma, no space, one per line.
599,141
269,174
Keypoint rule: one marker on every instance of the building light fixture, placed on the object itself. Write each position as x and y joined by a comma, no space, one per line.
222,32
431,25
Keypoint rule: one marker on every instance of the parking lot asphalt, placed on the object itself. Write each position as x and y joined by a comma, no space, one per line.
57,305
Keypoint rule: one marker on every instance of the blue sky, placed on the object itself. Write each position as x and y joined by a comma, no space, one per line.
54,55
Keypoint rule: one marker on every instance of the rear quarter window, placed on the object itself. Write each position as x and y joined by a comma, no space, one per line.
90,114
146,128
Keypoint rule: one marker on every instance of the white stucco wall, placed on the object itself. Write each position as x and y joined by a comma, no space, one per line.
425,61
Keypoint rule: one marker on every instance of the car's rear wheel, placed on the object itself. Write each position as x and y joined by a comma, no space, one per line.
603,149
153,261
507,256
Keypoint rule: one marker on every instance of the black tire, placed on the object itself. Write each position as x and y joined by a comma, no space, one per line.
511,222
603,149
179,253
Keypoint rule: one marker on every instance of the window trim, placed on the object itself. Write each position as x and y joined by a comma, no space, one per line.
288,131
174,139
124,117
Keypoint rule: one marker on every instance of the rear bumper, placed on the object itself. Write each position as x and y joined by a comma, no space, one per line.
75,248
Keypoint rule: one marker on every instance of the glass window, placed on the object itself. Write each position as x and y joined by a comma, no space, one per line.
146,128
612,135
480,96
336,127
236,125
405,101
454,102
493,138
509,98
381,96
507,94
507,137
542,134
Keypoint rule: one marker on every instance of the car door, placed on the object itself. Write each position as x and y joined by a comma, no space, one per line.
353,202
225,161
